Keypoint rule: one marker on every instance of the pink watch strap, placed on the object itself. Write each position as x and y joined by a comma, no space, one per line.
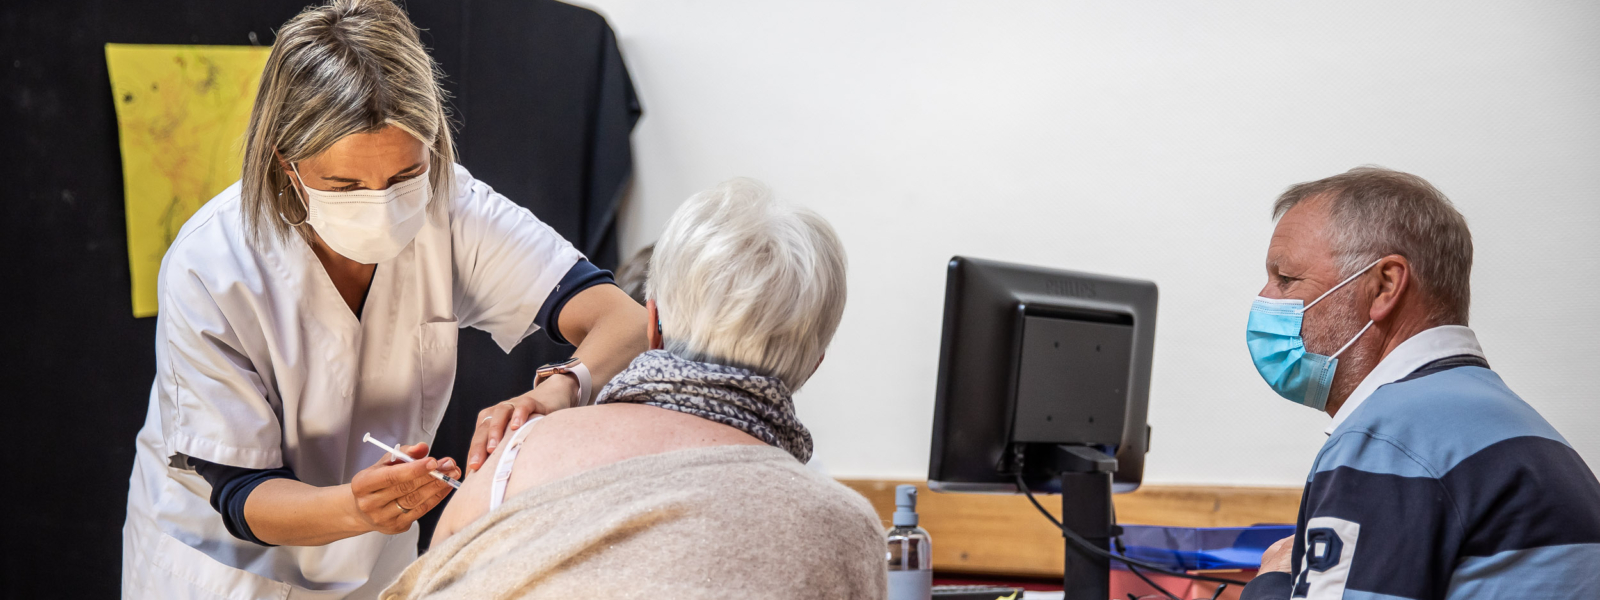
585,383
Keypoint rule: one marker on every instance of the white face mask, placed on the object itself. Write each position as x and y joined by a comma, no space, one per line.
368,226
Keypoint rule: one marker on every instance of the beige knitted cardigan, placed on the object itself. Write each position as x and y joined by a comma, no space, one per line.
717,522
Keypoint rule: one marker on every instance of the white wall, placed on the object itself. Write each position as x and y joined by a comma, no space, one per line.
1142,139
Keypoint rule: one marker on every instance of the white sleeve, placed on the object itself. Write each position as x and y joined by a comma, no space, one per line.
506,261
214,406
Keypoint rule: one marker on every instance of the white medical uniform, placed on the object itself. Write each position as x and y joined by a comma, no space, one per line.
261,364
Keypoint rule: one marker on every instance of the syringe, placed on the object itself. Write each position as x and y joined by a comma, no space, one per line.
402,456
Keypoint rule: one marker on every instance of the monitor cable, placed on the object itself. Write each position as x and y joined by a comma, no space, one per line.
1104,553
1116,540
1151,582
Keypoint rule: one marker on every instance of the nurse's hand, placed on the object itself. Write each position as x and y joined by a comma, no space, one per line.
495,422
390,495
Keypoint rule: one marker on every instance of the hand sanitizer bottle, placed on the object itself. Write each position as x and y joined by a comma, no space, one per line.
910,550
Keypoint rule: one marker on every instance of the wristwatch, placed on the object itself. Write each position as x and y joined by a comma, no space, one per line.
573,367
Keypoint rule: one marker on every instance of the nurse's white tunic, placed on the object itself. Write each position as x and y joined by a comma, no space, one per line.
261,364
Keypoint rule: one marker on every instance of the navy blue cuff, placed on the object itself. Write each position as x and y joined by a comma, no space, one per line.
582,276
1275,585
230,487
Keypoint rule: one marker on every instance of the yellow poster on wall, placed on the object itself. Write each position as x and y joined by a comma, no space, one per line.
181,117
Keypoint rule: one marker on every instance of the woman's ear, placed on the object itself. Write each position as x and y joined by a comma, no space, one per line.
653,326
282,164
294,179
817,366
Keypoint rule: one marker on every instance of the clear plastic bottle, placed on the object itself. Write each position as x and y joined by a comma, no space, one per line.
910,550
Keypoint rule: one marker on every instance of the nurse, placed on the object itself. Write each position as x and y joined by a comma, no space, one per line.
318,300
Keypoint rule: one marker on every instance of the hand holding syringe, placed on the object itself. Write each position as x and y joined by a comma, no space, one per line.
402,456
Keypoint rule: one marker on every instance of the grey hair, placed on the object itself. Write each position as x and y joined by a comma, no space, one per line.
741,279
345,67
1377,212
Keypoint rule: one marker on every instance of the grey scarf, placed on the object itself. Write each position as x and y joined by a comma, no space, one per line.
740,398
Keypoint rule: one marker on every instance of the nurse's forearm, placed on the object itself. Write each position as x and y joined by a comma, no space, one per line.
609,329
285,512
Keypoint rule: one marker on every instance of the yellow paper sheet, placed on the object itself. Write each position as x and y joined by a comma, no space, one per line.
181,116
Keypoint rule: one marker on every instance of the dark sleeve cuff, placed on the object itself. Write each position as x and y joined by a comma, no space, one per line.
582,276
1268,586
230,487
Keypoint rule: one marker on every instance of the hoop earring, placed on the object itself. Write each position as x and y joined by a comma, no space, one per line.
286,219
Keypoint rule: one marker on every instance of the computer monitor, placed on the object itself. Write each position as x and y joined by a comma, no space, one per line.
1045,373
1033,355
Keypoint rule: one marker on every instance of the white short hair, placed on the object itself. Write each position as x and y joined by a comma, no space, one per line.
742,279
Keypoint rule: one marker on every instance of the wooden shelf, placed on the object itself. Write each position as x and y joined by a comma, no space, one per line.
1003,534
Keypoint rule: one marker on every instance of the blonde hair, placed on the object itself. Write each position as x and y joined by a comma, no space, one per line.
741,279
345,67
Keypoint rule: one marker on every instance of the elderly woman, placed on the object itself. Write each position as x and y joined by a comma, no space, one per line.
687,478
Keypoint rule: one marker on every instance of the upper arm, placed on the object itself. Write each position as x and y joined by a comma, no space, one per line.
580,315
469,502
574,440
538,453
1375,520
214,403
506,262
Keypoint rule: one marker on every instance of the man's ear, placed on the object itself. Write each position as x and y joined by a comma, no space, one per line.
653,326
1394,284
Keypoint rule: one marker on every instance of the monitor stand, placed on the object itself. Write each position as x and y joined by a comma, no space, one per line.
1085,475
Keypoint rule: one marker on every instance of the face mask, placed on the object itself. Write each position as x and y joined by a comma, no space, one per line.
368,226
1273,334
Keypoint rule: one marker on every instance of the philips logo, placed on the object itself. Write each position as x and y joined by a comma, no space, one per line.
1064,287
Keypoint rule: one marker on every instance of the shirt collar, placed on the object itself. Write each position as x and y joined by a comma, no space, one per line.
1423,348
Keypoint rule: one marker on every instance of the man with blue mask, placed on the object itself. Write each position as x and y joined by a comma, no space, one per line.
1436,481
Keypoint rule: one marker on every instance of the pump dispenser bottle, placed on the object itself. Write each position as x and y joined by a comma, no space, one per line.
910,550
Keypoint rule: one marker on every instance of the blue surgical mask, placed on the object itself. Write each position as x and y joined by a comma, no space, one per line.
1273,334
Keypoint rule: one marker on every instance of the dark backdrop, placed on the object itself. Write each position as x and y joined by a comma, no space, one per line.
544,106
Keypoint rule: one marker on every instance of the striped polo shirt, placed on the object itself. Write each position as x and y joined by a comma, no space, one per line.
1444,484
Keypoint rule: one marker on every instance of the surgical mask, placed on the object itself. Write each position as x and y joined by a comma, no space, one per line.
368,226
1273,334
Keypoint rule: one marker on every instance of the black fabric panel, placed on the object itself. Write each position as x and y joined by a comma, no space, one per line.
1268,586
1525,492
75,365
76,391
1409,534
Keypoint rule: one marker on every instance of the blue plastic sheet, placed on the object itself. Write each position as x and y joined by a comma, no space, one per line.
1201,548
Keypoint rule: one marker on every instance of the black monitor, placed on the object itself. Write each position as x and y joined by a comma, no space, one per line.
1045,373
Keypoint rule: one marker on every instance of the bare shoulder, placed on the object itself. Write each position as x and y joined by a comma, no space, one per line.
571,441
575,440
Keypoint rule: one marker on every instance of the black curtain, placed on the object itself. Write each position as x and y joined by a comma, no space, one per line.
544,106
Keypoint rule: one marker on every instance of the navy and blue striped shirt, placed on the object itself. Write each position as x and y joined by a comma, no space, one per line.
1444,485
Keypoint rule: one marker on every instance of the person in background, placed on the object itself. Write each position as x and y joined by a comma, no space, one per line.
633,275
688,477
1436,481
318,300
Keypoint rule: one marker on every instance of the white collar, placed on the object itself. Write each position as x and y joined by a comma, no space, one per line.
1433,344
